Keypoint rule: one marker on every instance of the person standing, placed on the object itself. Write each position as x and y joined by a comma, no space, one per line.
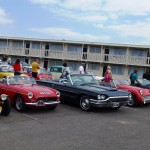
17,67
133,77
66,71
9,60
81,69
146,75
35,67
107,76
108,69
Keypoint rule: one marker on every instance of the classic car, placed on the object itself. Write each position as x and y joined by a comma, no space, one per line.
42,73
85,91
138,95
24,92
7,70
5,105
56,71
143,83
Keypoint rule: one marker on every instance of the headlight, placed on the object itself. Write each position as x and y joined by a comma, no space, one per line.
30,95
3,97
58,94
130,96
101,97
40,77
141,92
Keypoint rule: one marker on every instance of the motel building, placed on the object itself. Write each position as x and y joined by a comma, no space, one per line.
123,58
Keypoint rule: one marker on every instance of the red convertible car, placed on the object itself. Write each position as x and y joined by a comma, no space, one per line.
23,91
138,95
42,73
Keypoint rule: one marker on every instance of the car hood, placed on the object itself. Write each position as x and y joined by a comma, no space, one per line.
37,90
104,90
129,87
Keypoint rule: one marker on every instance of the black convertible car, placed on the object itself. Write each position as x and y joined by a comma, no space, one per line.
5,105
86,91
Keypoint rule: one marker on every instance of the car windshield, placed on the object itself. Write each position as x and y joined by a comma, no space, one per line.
83,79
20,80
121,82
7,68
144,81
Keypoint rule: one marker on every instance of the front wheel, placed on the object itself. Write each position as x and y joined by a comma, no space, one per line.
6,108
132,101
85,103
20,104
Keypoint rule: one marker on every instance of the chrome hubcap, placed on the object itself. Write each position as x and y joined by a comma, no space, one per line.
18,103
85,104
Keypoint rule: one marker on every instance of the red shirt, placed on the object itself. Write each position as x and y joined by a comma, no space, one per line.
17,67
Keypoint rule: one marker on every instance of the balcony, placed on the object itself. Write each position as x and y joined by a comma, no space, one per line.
92,57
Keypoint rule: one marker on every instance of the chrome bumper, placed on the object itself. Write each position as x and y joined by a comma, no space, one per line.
146,99
43,104
110,102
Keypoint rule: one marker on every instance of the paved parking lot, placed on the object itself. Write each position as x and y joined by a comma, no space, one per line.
69,128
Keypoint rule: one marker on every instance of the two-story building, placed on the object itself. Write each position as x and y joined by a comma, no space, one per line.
123,58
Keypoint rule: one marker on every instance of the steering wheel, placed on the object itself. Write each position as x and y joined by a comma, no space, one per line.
62,81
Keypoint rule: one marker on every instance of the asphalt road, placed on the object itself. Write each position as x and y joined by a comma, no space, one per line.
69,128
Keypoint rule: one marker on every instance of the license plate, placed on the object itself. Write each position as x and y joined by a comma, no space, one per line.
115,104
40,103
0,109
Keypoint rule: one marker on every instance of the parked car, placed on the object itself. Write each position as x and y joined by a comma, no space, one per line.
85,91
56,71
143,83
24,92
138,95
42,73
5,105
7,70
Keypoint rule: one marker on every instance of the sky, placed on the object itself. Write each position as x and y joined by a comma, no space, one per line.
104,21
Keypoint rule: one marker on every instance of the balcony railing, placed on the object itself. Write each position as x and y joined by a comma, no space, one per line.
92,57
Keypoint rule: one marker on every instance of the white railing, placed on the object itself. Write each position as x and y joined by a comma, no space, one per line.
118,59
15,51
93,57
72,56
137,60
3,50
35,53
55,54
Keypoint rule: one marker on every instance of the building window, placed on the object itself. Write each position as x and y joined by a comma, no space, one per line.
95,49
74,65
17,44
138,53
93,66
36,45
118,70
75,48
117,51
56,47
3,43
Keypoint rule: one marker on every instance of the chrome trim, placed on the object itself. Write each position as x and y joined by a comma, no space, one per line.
109,98
45,103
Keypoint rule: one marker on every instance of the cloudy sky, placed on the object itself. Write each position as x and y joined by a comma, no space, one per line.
109,21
